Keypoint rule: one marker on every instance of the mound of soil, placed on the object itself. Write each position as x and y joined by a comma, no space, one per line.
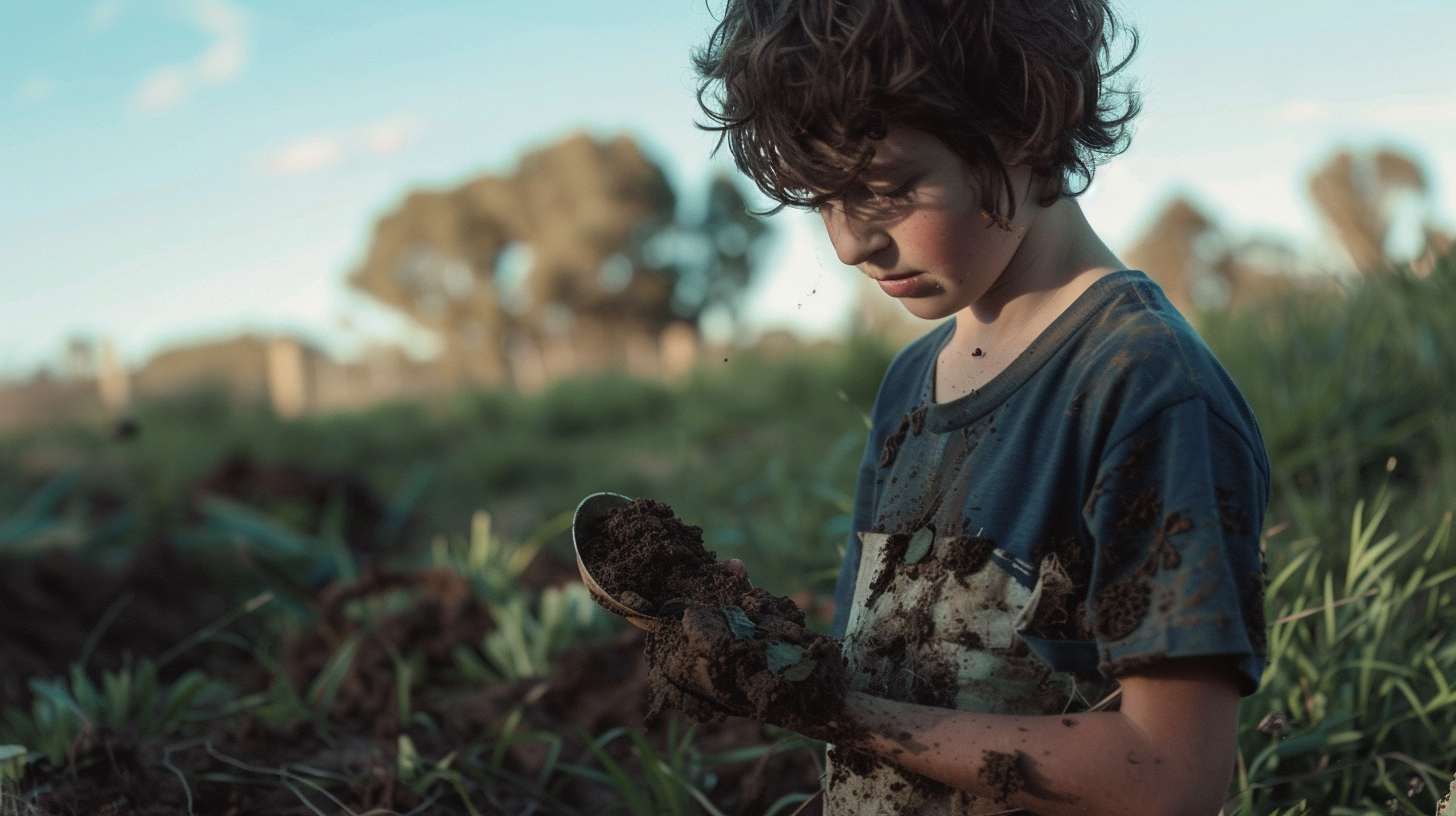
305,495
238,769
724,646
235,766
440,617
50,605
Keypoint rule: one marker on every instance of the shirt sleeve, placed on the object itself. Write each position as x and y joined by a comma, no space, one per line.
1175,517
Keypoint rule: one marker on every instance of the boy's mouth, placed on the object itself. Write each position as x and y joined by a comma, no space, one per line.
906,285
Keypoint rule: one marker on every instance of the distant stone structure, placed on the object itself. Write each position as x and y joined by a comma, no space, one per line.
47,399
113,381
293,378
238,367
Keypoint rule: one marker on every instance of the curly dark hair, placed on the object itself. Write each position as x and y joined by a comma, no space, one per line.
801,89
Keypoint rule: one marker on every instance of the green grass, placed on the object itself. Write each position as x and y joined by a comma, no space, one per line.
726,449
1355,392
1357,705
1342,381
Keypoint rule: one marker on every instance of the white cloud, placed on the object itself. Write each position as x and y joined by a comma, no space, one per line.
318,151
387,137
1305,111
1387,110
393,134
1429,111
223,60
307,155
34,90
229,52
164,88
103,15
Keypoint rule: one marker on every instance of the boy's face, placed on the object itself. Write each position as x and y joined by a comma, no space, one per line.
913,222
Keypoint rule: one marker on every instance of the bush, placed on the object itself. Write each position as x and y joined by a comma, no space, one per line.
1341,381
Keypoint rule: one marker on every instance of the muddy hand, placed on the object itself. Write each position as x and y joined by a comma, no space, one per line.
702,667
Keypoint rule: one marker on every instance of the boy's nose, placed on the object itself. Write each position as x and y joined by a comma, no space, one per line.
855,240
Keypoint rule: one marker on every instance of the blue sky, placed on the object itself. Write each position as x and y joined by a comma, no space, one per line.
171,169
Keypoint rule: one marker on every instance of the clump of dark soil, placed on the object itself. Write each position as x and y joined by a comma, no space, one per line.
854,763
1120,607
644,556
896,545
934,683
714,661
741,650
967,556
1002,772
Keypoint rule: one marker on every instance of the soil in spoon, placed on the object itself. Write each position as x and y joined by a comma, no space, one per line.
644,556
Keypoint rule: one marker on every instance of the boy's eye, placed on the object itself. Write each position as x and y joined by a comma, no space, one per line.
895,194
877,198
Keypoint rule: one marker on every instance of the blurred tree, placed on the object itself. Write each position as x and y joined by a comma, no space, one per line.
1376,203
1175,251
711,261
1201,267
578,249
1370,198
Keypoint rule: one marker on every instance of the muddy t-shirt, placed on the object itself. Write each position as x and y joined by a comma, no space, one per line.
1095,507
1115,444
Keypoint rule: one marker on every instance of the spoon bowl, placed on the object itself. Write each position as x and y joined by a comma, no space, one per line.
589,514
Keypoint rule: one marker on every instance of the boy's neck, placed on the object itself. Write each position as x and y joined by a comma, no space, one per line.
1058,259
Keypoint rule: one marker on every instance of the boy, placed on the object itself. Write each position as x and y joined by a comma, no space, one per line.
1062,490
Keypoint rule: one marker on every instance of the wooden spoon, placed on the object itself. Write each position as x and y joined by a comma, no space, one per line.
589,514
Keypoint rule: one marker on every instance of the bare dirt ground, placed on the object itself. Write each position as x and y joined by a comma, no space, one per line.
240,765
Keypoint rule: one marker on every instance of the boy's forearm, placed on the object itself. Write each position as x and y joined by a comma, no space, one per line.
1099,763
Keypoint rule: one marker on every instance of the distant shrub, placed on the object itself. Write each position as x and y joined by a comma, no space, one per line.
1342,381
600,402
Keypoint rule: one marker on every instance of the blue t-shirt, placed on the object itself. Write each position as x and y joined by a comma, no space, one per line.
1117,443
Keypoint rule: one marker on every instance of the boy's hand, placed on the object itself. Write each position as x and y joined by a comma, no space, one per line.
708,632
717,661
699,665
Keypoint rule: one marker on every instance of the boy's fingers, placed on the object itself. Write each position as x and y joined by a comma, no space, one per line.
703,678
698,681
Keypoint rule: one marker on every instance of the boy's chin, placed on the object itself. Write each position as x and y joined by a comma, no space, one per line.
928,308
